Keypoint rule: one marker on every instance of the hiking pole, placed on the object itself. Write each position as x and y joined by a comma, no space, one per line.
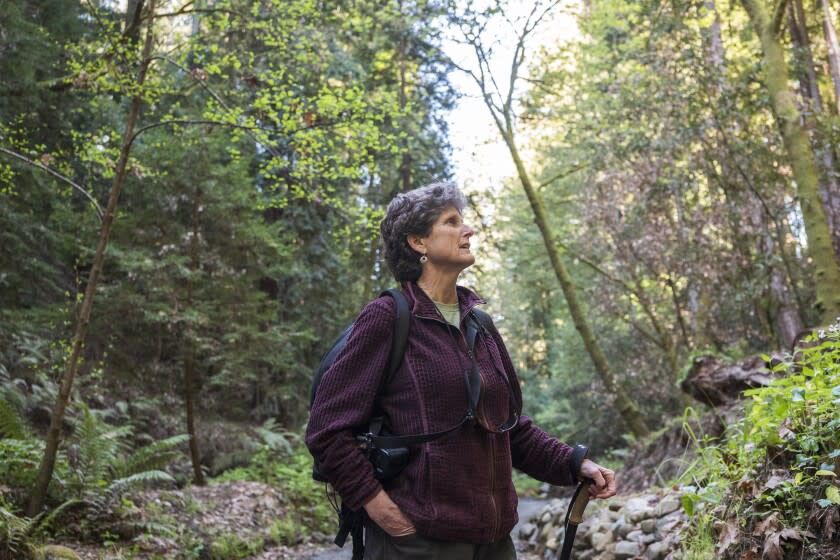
574,517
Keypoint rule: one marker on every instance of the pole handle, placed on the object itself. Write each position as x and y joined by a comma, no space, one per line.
579,502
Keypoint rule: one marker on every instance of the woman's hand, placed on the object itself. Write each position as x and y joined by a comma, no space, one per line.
604,478
385,513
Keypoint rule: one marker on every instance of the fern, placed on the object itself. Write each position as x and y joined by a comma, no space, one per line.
153,456
42,522
98,446
11,426
21,459
135,480
16,535
13,536
11,403
278,440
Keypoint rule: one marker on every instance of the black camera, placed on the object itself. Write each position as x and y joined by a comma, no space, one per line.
387,463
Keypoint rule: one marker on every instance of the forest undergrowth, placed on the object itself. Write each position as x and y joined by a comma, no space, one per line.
770,487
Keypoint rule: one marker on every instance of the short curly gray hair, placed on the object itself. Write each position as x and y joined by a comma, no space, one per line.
414,213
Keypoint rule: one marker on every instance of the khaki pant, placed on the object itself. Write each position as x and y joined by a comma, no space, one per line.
379,545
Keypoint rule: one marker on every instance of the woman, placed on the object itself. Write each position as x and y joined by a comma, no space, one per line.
455,499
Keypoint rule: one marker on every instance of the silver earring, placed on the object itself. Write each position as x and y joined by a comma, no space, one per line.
423,259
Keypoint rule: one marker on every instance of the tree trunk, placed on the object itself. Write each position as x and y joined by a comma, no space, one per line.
799,34
405,159
833,51
133,10
802,162
502,112
832,197
189,346
777,310
829,190
622,401
45,471
715,49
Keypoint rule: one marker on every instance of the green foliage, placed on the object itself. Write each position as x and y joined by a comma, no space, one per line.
19,465
658,159
14,538
699,544
781,461
276,146
10,425
793,423
96,471
230,546
21,537
525,485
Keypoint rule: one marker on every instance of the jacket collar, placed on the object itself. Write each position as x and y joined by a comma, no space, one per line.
423,306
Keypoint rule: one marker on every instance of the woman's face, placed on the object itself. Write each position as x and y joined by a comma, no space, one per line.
448,244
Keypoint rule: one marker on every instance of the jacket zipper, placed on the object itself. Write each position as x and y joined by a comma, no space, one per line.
482,416
496,523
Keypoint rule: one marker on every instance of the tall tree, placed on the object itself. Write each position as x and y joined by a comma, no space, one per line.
45,471
500,103
800,156
833,50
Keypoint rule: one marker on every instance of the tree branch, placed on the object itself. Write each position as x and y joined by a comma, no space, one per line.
561,175
143,129
184,10
217,97
58,176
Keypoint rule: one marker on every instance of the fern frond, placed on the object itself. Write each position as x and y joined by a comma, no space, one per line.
278,439
13,540
120,485
43,521
99,446
146,527
150,457
11,425
14,393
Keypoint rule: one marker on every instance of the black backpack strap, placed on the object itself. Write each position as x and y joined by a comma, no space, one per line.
471,376
402,322
486,326
385,442
484,320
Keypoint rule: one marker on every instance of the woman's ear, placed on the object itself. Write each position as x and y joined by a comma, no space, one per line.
416,243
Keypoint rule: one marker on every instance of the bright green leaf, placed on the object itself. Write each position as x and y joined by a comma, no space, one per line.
833,494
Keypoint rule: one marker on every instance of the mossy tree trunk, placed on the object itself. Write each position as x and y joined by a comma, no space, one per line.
622,401
829,191
833,51
801,159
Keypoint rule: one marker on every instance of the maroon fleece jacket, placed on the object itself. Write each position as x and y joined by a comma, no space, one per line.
456,488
